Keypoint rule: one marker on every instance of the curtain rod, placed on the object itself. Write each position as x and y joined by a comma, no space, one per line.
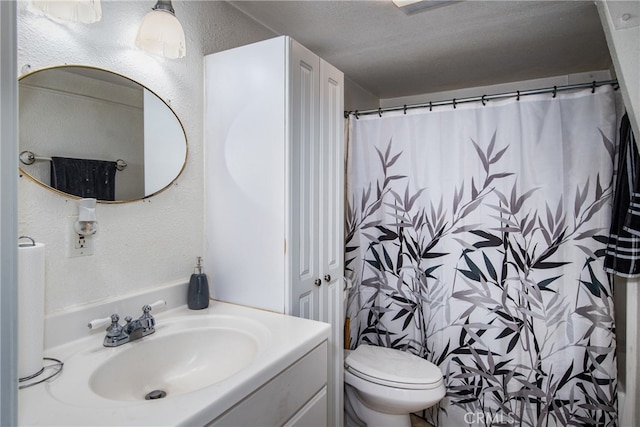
483,98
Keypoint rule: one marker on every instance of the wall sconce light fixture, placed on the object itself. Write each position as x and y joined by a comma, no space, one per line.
87,223
83,11
161,33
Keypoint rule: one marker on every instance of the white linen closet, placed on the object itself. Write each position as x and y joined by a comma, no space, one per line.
274,187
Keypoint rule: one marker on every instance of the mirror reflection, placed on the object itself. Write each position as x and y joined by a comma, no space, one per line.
88,132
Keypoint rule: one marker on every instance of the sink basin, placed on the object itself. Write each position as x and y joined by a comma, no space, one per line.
183,355
210,363
174,364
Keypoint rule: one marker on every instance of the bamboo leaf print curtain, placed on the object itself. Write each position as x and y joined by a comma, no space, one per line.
475,239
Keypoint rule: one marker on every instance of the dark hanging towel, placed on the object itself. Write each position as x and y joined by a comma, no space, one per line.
623,250
84,178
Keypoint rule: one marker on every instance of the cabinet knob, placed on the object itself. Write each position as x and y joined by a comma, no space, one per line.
317,282
327,277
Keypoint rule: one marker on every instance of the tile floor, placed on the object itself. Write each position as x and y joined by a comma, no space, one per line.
419,422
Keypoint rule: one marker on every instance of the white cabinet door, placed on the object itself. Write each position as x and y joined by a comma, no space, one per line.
314,414
317,171
331,238
304,214
294,397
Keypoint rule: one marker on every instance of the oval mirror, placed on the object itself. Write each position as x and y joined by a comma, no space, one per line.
89,132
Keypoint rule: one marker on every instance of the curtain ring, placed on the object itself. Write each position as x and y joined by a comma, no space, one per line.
379,111
356,114
430,106
405,108
593,87
454,103
518,97
484,101
555,91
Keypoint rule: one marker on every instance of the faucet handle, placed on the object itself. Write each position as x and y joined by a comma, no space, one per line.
148,321
114,330
98,323
116,335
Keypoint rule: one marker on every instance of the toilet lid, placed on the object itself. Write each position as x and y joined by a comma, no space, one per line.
393,366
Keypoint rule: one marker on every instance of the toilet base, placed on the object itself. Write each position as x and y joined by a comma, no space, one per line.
350,417
357,414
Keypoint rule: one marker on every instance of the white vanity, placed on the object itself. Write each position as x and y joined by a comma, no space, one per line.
227,365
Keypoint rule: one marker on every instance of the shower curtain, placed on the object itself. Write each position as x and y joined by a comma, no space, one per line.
475,239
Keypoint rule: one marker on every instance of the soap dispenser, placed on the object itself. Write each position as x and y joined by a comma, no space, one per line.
198,296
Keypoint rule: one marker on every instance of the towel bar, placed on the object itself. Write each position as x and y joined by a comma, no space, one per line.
28,158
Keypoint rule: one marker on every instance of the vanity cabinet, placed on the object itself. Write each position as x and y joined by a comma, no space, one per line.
297,397
274,186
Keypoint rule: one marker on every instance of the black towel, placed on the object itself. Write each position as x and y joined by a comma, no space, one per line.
622,256
84,178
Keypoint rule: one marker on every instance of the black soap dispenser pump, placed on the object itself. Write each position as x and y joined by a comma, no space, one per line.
198,297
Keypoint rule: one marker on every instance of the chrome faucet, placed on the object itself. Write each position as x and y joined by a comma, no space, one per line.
115,333
142,326
133,329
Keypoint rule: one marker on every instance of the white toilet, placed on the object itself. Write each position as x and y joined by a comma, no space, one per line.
383,386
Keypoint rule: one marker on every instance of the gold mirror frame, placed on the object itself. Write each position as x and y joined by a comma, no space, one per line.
109,79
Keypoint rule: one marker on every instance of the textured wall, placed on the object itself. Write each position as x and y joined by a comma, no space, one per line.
356,98
621,23
140,244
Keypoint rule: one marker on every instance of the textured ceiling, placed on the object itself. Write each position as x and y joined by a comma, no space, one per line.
463,44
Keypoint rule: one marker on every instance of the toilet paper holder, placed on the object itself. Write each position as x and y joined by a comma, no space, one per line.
56,366
22,245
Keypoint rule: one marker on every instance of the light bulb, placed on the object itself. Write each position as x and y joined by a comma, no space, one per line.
83,11
86,228
161,33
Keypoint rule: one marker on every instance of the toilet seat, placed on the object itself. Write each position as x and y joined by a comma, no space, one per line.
393,368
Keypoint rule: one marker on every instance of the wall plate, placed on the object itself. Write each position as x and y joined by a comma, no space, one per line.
77,244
